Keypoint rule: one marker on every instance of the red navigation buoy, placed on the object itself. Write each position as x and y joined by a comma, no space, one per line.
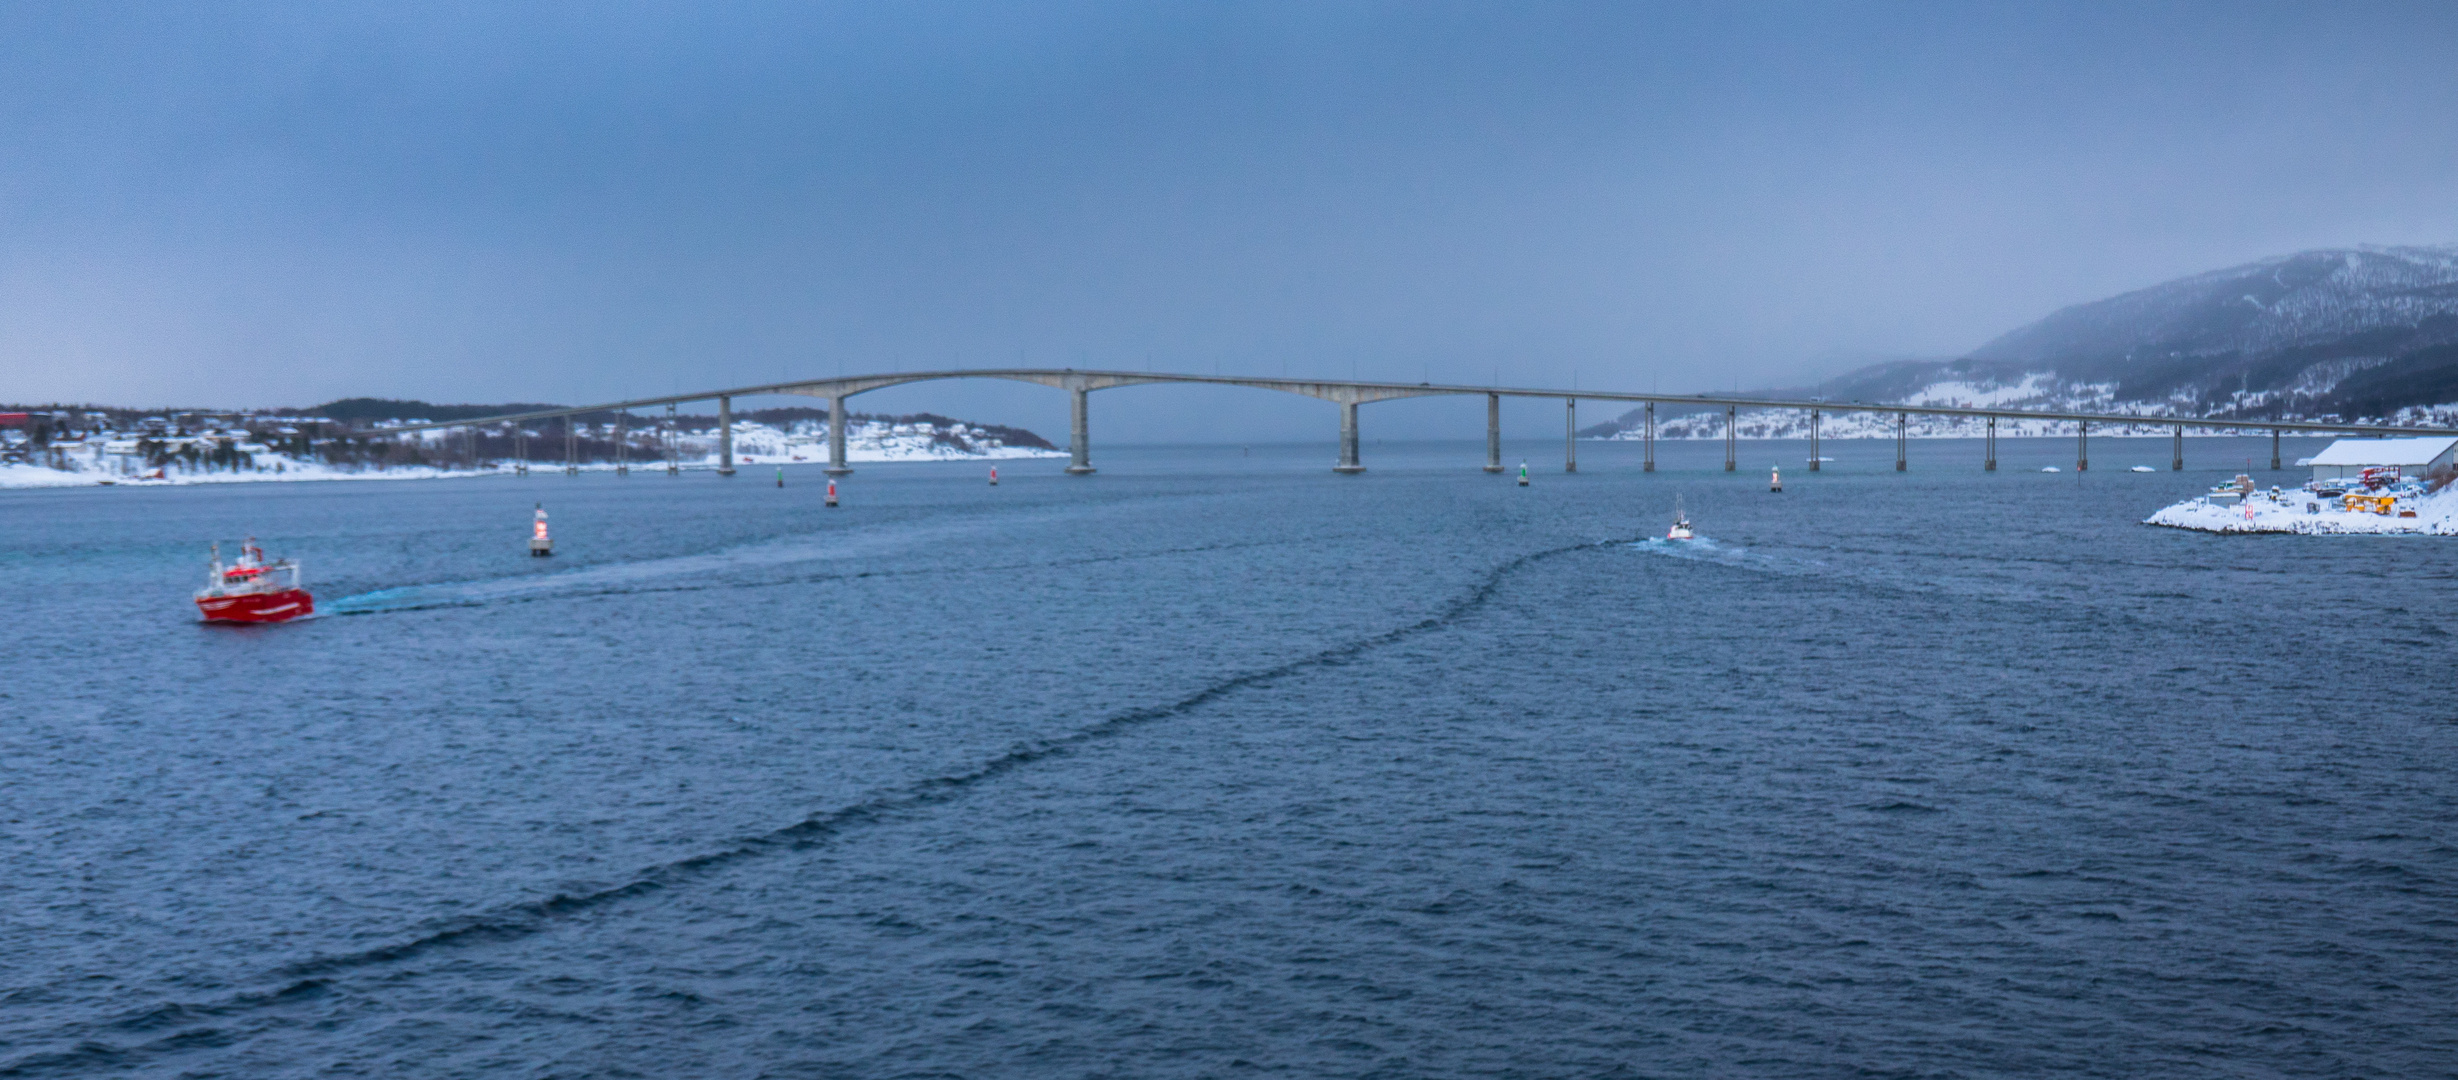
832,493
994,476
540,544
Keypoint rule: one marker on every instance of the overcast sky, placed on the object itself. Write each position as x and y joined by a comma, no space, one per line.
260,204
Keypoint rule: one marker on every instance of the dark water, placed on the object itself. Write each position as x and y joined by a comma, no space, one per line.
1216,765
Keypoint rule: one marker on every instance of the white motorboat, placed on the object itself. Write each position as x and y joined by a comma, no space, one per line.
1681,523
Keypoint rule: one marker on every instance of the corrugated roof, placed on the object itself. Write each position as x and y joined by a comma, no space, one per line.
2385,451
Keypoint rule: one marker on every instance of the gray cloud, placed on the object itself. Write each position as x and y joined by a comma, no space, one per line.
268,204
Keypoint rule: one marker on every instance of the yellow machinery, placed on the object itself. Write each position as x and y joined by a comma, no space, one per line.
2378,504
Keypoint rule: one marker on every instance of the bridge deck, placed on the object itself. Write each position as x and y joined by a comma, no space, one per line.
1352,391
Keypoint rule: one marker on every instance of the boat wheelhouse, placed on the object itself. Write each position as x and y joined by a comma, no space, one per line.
252,590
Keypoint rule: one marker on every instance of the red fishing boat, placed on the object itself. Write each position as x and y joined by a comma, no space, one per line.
253,590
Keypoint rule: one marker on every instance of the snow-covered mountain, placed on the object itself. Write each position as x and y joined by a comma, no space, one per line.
2357,333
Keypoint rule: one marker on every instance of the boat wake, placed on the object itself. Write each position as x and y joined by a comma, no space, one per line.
1847,572
643,575
1710,550
314,976
411,598
781,561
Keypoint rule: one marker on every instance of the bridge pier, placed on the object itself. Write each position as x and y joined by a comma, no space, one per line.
1079,437
1570,434
1729,414
1813,440
1648,441
836,437
1348,440
1493,433
1347,393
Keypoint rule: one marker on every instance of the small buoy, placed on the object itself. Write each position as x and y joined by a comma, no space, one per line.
831,493
540,544
780,476
1775,480
1523,473
994,476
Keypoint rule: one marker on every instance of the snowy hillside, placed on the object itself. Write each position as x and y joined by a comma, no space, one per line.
2367,333
126,461
2320,331
932,439
2311,299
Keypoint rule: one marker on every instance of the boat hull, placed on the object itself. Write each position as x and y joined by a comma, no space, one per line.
266,607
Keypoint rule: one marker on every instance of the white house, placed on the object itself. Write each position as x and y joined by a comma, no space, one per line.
2347,459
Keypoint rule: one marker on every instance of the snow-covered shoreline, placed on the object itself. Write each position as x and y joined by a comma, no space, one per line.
2034,392
755,444
272,468
2435,515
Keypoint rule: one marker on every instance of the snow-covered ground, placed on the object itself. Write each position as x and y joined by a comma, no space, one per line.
754,444
2036,392
1794,424
2435,515
85,471
2039,393
2427,415
760,444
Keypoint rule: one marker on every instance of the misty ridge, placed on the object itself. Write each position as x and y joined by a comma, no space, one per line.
2364,334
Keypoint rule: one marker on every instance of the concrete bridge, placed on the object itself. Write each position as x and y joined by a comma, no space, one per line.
1351,393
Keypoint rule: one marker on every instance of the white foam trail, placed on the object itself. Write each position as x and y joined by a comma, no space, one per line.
832,545
783,551
1708,549
1936,580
